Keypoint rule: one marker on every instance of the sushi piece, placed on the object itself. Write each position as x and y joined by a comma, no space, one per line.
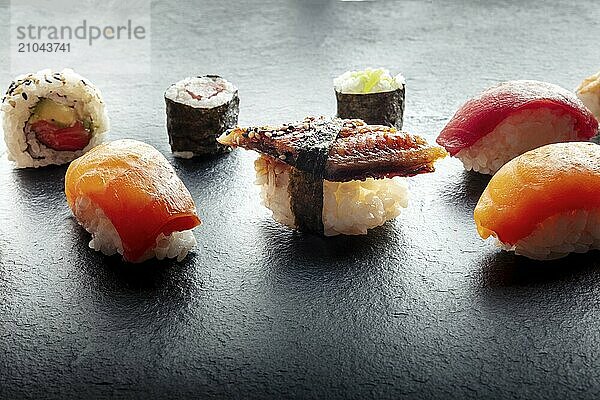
127,195
589,93
372,95
198,111
545,203
51,118
512,118
334,176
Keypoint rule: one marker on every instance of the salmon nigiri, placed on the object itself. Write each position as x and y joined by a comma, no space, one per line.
545,203
127,195
514,117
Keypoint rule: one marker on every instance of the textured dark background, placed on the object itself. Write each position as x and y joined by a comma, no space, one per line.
419,308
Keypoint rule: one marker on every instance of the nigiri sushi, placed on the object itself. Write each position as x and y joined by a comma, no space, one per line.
545,203
334,176
127,195
589,93
511,118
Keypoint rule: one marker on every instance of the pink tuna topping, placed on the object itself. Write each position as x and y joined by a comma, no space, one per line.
480,115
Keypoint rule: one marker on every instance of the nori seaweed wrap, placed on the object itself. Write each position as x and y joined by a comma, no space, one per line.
199,110
372,95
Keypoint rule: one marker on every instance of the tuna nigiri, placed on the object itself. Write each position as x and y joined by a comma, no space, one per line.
127,195
545,203
511,118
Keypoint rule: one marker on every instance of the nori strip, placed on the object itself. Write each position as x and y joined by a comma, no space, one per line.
196,129
313,151
303,145
306,200
306,179
385,108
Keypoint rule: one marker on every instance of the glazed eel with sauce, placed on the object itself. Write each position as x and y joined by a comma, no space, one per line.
318,150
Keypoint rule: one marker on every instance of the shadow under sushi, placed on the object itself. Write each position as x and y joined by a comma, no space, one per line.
286,249
505,269
112,272
103,296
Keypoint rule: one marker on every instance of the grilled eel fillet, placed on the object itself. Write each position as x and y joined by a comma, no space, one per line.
340,150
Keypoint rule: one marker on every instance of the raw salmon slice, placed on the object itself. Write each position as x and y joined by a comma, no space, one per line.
137,189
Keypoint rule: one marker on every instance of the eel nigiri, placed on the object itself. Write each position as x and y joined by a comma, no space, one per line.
545,203
511,118
334,176
127,195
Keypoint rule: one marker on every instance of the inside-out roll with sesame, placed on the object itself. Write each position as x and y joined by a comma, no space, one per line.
52,118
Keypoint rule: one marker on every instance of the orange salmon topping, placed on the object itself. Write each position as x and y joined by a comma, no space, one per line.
137,189
552,179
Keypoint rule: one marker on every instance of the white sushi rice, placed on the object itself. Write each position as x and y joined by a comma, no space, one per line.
273,177
589,93
568,232
203,87
515,135
65,87
105,237
349,208
353,82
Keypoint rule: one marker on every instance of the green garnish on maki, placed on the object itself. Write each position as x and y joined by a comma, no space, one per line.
373,95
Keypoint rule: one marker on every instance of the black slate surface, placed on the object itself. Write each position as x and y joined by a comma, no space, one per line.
419,308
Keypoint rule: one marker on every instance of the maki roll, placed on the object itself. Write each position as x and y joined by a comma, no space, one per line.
545,203
589,93
511,118
334,176
372,95
52,118
127,195
198,111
